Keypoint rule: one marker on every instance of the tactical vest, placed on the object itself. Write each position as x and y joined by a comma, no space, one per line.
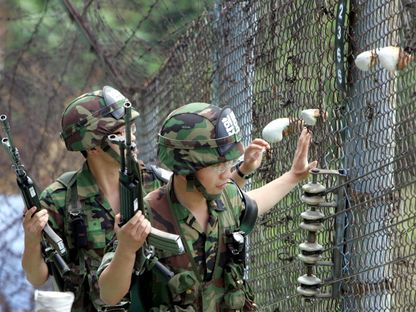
226,291
76,223
74,207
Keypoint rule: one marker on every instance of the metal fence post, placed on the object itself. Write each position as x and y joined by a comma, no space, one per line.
370,145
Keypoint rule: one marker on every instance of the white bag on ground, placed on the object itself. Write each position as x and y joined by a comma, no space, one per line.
53,301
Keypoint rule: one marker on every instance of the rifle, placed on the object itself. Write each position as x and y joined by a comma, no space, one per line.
131,196
52,245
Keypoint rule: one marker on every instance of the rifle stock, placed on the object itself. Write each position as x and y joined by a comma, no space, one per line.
52,245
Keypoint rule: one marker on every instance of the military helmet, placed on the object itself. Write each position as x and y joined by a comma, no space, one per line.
199,135
91,117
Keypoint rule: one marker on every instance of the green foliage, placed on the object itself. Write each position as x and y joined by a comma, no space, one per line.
45,28
34,6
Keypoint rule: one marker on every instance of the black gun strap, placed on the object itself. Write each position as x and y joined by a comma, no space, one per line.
73,206
69,179
249,217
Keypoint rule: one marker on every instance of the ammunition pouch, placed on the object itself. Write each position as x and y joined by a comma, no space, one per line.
227,290
184,288
238,294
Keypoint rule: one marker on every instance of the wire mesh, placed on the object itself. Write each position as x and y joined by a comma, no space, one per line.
271,59
53,51
266,59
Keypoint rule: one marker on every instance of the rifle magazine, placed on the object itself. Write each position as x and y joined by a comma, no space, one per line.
166,241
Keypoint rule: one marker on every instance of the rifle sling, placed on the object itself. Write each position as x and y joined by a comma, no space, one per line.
74,207
248,219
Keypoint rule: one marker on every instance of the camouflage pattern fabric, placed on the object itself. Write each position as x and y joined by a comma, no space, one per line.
184,146
87,120
200,283
99,219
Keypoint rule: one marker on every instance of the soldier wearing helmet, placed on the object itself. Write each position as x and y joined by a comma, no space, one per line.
82,204
199,142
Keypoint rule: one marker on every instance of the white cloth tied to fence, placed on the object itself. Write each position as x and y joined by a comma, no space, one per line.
53,301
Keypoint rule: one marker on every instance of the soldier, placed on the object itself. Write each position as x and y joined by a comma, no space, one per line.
199,143
81,205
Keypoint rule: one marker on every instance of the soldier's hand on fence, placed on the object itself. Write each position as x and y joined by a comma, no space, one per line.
253,155
33,224
300,165
132,235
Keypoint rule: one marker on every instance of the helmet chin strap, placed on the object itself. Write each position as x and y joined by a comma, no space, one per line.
192,181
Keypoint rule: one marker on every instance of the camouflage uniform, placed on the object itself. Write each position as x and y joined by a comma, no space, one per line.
99,220
207,277
86,123
203,285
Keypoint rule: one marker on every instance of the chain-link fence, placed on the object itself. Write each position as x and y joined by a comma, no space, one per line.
271,59
53,51
266,59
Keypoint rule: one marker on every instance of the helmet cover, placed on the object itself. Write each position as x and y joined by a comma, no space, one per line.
91,117
199,135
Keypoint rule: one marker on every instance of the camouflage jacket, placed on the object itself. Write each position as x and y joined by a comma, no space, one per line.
99,220
206,278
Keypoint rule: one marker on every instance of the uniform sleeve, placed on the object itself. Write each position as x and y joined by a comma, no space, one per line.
105,262
108,256
53,200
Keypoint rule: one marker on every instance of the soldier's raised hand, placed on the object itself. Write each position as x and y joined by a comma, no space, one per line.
300,165
253,155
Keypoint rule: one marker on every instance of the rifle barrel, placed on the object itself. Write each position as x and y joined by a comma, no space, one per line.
131,195
27,186
6,127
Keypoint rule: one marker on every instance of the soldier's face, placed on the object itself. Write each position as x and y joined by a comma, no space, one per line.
214,178
122,132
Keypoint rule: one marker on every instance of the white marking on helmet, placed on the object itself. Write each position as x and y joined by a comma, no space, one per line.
230,124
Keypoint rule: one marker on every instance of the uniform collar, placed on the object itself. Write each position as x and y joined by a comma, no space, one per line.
181,212
86,185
